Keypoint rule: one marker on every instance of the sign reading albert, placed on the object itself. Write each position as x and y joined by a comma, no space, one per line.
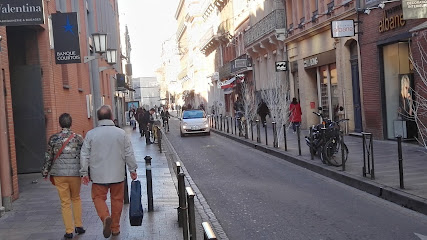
21,12
66,38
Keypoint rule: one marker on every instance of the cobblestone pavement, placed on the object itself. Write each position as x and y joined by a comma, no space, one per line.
37,215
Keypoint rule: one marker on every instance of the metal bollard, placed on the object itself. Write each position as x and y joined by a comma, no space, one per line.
228,126
191,213
266,136
126,191
285,138
368,155
342,150
275,143
149,183
323,132
252,129
299,140
231,124
159,138
220,123
217,122
178,168
208,233
182,209
400,157
246,130
235,125
258,131
311,143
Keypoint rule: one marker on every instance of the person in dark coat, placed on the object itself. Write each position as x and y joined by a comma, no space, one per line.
263,111
295,114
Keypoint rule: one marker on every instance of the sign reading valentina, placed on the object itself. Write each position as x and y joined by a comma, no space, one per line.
66,38
21,12
414,9
343,28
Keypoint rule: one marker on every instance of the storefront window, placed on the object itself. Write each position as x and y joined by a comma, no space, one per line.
324,86
398,83
334,91
329,94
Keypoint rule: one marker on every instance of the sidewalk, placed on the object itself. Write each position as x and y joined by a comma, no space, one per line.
386,182
37,213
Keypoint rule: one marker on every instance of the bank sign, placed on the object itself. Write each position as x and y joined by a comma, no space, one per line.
21,12
66,38
414,9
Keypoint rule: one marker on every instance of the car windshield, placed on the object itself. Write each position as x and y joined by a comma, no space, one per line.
193,114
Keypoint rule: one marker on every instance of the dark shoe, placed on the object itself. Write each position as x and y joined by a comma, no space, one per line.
116,233
68,235
80,230
107,227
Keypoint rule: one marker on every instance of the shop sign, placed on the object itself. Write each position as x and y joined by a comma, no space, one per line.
241,63
319,59
121,81
281,66
414,9
392,19
66,38
21,12
343,28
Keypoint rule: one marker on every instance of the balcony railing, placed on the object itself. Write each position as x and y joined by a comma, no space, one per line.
265,26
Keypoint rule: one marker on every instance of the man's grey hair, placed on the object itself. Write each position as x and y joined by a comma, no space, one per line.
65,120
104,112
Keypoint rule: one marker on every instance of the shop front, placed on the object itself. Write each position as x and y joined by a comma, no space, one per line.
387,73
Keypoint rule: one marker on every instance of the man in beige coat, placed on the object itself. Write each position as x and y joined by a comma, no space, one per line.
105,151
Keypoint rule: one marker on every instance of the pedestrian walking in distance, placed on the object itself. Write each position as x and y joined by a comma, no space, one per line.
295,114
263,111
62,163
105,151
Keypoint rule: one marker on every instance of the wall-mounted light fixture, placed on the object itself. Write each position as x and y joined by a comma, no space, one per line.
382,4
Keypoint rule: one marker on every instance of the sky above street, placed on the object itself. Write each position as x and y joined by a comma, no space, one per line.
150,23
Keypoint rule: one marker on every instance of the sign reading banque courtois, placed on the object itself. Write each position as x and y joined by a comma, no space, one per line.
21,12
66,38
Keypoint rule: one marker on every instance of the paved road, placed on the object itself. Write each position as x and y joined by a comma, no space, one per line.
257,196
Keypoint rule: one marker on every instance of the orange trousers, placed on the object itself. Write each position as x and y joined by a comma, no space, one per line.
99,196
69,193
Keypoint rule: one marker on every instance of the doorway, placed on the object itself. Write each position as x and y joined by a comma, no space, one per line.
27,98
357,107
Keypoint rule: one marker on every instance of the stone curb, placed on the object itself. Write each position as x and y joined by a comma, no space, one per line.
200,202
397,196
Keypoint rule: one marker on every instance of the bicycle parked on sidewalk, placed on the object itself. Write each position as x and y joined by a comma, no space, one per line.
328,141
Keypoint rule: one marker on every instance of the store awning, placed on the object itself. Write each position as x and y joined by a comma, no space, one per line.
229,83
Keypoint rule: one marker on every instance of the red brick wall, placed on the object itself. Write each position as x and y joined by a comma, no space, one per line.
4,63
370,64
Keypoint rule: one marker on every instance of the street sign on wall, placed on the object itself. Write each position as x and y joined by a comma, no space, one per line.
414,9
66,38
343,28
21,12
281,66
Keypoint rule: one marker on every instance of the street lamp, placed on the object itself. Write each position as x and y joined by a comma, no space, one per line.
111,56
100,42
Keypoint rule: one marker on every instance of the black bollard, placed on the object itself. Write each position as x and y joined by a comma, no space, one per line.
284,137
311,143
399,152
149,183
342,150
228,126
182,210
258,131
220,122
299,140
126,191
235,125
275,144
208,233
266,135
246,130
252,130
191,213
159,138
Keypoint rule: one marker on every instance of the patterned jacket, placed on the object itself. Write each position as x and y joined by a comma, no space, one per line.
68,163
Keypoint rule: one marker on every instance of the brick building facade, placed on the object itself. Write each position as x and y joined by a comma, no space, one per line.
35,90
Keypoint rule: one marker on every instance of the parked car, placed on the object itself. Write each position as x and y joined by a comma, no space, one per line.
194,121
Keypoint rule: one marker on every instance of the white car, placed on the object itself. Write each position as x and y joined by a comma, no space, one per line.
194,121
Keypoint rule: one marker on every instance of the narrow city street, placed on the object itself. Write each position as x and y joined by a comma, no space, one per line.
257,196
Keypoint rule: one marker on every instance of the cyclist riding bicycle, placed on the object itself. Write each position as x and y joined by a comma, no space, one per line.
165,117
155,122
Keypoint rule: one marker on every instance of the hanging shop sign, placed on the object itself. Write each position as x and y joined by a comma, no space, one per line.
392,19
281,66
343,28
241,64
319,59
21,12
414,9
66,38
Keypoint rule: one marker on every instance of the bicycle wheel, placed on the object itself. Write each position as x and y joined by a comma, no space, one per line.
331,152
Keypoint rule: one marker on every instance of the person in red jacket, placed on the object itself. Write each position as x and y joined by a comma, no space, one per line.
295,114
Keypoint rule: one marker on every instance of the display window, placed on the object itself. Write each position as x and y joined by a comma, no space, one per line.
328,91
